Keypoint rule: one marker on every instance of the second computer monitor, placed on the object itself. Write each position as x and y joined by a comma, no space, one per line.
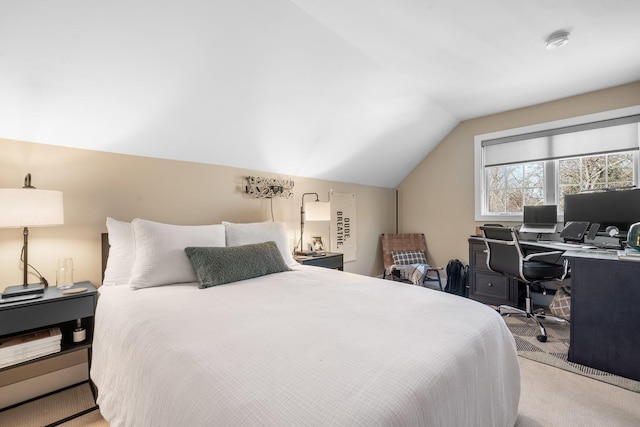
540,219
618,209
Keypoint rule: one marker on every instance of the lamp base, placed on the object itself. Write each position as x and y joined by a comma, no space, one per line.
307,253
17,290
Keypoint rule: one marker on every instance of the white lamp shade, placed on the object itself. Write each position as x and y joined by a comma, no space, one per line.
317,211
30,207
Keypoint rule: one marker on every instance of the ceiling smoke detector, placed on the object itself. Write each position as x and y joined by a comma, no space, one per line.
557,39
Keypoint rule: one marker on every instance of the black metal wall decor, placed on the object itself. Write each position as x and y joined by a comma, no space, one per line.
268,188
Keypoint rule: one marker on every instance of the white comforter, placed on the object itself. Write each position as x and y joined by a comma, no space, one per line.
310,347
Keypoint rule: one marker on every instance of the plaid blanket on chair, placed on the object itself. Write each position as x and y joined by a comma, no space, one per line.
415,273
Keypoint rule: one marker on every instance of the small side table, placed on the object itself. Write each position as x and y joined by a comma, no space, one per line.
53,309
332,260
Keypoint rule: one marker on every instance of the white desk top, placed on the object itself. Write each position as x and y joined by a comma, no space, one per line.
575,250
608,254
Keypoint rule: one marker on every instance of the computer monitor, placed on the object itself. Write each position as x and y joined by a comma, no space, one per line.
540,219
617,209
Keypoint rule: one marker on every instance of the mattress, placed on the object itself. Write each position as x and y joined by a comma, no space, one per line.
307,347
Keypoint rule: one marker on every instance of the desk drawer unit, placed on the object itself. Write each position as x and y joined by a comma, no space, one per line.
486,286
491,286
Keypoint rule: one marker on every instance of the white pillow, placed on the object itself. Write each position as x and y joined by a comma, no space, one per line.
121,253
160,257
258,232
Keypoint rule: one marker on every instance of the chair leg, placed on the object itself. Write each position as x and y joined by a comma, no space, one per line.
425,279
528,301
552,318
543,332
516,310
528,312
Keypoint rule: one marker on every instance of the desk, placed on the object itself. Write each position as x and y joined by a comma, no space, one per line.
605,305
486,286
605,314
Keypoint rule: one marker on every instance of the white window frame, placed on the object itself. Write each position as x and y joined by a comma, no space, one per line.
479,181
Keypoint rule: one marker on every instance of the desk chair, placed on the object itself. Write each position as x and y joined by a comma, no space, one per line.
408,248
505,256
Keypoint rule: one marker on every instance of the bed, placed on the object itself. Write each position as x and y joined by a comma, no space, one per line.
305,347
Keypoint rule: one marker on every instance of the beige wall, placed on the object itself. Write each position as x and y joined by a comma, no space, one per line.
437,197
97,184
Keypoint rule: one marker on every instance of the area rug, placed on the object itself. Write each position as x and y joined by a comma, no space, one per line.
554,351
53,408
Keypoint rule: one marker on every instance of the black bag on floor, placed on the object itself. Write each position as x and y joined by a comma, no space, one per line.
457,278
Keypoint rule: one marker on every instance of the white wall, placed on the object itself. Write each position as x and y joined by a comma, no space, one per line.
96,185
437,197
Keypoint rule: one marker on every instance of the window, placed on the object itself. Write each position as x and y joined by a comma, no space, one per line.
539,164
511,187
595,173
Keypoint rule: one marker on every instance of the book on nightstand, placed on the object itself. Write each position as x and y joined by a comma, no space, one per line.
20,348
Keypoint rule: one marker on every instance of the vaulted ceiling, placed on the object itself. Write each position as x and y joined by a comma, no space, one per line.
354,90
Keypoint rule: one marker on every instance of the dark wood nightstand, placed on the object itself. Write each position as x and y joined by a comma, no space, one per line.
72,363
323,259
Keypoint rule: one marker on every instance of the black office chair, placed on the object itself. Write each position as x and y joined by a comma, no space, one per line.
505,256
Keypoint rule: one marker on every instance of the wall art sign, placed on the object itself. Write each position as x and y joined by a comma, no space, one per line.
343,224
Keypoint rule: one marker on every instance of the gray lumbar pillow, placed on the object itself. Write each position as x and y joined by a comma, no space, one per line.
219,265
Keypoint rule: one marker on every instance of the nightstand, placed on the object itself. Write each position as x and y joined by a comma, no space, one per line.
36,377
323,259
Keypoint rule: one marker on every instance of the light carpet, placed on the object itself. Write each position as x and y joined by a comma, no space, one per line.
551,397
554,351
55,407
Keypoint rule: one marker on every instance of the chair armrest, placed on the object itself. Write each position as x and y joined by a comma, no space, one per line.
541,254
558,254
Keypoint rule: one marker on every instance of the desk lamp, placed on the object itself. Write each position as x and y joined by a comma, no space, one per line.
29,207
633,236
314,211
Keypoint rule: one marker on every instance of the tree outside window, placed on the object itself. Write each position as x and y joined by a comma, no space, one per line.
510,187
594,173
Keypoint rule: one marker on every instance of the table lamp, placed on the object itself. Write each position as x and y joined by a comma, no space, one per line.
314,211
633,236
29,207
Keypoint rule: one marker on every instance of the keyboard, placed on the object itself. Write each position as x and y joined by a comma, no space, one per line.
594,253
555,245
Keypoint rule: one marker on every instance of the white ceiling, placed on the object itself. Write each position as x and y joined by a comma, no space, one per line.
353,90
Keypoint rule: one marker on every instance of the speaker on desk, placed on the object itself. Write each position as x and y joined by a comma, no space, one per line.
574,231
612,231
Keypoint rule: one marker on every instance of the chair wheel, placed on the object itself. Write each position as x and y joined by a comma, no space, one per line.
542,338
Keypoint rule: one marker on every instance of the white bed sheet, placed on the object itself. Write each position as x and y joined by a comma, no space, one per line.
310,347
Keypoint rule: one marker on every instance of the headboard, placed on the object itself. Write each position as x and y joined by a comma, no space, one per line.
105,252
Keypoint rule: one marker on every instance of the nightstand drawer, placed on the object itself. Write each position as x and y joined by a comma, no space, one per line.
45,313
492,285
